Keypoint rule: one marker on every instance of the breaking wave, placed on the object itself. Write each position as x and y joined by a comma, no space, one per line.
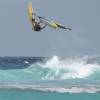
56,68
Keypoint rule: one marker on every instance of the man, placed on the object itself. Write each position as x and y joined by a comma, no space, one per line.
37,25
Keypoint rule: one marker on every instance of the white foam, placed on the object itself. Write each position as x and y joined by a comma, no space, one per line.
26,62
69,68
68,89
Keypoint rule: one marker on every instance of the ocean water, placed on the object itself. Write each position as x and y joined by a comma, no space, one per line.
53,78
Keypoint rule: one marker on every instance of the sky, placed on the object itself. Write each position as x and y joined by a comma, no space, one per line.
18,39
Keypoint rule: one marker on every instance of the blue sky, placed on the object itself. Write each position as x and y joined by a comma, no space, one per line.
18,39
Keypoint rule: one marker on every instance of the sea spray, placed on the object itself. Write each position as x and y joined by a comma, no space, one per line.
69,68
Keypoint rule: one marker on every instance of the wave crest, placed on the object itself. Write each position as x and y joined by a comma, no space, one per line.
56,68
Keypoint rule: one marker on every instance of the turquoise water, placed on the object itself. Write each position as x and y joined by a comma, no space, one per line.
25,78
35,95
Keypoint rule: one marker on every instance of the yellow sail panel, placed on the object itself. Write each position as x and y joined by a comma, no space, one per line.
53,25
30,11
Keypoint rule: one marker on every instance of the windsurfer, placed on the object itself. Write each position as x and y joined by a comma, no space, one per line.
38,26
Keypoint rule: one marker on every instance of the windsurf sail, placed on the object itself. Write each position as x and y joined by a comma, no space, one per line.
47,22
53,24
